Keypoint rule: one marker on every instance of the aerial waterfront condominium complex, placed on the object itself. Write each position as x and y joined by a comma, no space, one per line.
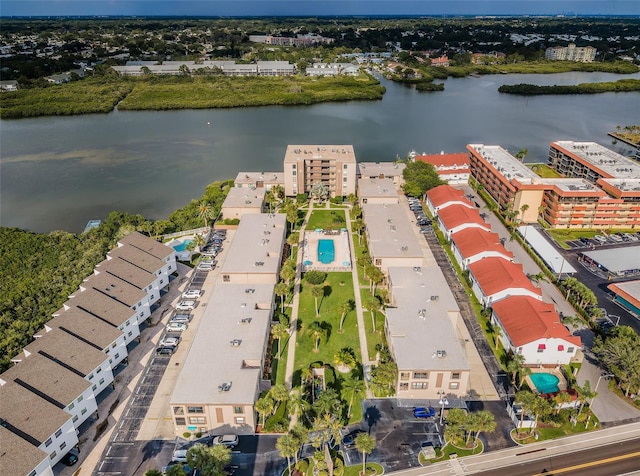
331,165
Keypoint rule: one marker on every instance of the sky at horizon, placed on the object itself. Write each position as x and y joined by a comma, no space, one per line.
315,7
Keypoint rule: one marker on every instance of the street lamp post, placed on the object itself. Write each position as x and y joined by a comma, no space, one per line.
443,401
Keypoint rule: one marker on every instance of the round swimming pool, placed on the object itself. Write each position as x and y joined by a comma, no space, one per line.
544,382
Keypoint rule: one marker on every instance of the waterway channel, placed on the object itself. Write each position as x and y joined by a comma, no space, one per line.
60,172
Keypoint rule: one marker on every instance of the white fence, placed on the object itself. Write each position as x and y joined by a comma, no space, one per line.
178,234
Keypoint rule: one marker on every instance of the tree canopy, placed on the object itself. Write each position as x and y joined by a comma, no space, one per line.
419,177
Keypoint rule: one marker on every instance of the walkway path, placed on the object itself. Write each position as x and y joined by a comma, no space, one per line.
362,332
291,347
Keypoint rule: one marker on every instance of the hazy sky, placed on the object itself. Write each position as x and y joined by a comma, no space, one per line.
314,7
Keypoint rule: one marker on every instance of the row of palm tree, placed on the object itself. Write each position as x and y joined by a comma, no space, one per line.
461,424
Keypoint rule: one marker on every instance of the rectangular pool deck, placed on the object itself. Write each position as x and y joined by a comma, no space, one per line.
317,248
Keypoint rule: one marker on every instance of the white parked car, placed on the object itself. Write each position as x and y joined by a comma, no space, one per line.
230,441
186,306
192,294
180,318
180,456
170,341
176,327
205,266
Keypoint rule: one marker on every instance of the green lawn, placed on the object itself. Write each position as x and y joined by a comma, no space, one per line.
327,220
373,338
544,171
357,252
335,293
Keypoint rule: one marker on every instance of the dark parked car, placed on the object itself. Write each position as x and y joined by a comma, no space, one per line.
349,440
424,412
166,350
70,458
423,222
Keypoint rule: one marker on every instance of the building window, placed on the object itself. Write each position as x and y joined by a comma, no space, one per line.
404,375
58,433
571,350
117,356
113,344
178,410
225,278
94,387
197,420
84,410
195,410
71,405
454,385
101,381
419,385
345,166
421,375
181,422
238,409
75,418
240,420
455,375
404,386
90,376
541,347
48,442
378,261
63,445
80,398
32,473
130,333
53,455
99,370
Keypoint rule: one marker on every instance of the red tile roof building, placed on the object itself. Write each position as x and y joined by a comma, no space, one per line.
454,218
453,168
533,328
494,279
474,244
443,196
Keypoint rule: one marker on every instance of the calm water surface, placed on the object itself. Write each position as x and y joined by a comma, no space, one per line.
58,173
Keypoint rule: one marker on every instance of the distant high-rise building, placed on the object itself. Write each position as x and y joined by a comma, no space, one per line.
571,53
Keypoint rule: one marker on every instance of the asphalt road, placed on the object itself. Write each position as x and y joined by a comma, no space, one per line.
619,458
599,285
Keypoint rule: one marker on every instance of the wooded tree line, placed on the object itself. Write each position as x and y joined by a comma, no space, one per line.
623,85
39,271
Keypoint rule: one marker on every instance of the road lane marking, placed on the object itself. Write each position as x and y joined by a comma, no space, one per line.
588,465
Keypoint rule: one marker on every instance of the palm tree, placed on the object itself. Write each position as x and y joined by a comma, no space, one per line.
345,307
327,403
288,447
280,331
523,209
209,460
326,428
485,421
204,212
282,290
541,408
317,333
585,393
352,387
515,366
365,444
560,399
527,401
317,292
301,435
288,272
153,472
569,285
264,406
344,358
357,226
298,404
372,304
198,240
279,394
375,277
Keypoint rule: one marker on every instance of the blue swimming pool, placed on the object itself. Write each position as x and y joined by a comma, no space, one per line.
544,382
326,251
182,246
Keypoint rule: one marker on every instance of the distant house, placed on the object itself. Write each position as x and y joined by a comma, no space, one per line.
332,69
475,244
442,61
459,217
9,85
59,78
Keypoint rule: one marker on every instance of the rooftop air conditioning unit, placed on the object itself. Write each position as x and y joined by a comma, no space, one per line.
235,343
224,387
245,320
433,298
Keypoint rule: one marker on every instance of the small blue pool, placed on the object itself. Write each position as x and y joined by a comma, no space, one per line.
182,246
544,382
326,251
